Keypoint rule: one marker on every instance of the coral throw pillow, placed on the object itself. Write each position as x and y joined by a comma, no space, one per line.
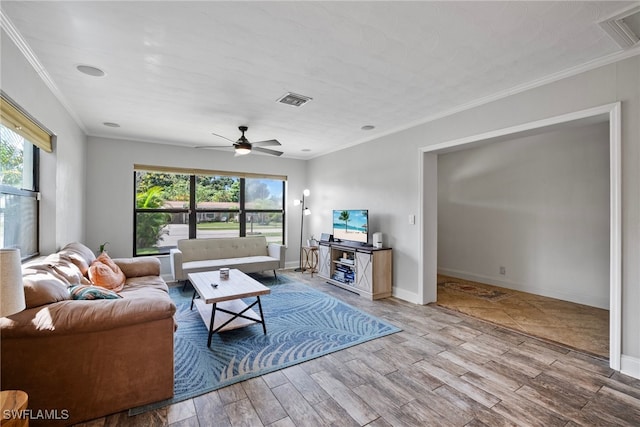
106,273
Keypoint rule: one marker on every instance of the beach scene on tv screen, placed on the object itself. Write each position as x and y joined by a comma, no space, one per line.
350,225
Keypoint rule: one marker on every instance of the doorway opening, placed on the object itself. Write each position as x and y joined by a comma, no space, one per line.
429,204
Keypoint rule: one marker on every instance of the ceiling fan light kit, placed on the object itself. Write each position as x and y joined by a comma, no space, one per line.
243,147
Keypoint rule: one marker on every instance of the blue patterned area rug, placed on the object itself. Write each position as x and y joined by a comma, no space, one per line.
302,324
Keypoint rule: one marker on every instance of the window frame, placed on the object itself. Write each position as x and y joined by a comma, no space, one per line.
39,138
192,210
32,194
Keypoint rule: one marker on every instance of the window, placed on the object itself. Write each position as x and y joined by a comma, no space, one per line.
173,204
20,141
217,206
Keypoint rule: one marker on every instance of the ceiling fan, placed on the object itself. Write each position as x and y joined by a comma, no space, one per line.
243,146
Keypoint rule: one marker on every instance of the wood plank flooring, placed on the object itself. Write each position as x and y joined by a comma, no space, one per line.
444,369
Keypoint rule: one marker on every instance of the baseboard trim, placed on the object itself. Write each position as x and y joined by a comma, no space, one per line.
288,265
630,365
408,296
498,281
168,278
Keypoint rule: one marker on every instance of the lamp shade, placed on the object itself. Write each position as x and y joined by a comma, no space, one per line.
11,287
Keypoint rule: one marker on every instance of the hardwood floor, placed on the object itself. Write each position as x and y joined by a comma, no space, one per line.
444,369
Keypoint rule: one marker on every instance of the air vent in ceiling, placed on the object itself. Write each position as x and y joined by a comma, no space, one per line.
294,99
624,28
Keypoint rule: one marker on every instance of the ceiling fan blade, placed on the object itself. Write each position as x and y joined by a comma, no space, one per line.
266,143
212,146
267,151
223,137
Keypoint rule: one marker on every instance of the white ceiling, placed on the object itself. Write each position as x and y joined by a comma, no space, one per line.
178,71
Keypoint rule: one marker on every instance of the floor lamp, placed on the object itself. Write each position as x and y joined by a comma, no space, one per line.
305,211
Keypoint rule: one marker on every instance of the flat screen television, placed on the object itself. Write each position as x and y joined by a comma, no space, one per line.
351,225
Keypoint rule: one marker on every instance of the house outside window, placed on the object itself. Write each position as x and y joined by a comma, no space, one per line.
21,140
171,205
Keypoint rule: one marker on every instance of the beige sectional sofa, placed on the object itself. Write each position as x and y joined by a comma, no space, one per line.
82,359
247,254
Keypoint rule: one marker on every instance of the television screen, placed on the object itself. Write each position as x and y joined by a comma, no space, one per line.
351,225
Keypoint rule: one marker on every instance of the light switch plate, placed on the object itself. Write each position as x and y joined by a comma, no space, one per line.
412,219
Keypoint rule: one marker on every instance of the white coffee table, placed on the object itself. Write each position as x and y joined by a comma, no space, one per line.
221,306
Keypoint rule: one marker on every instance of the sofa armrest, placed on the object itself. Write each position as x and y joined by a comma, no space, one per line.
139,267
277,251
175,258
76,317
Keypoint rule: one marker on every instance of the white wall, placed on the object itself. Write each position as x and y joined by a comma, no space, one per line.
379,178
110,187
387,176
62,173
539,206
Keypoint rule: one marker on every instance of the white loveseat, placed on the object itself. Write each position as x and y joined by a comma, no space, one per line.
247,254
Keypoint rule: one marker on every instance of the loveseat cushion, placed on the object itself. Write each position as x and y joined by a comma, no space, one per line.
249,263
222,248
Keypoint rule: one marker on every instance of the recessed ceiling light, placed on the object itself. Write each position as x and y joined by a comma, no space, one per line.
111,124
368,127
306,149
90,71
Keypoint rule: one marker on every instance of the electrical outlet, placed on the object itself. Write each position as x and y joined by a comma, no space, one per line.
503,270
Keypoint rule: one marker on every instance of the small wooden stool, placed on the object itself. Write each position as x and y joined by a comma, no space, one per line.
14,405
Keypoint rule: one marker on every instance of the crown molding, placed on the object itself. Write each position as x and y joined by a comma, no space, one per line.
551,78
33,60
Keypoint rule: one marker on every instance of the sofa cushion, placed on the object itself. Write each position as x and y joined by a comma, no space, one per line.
139,267
104,272
92,292
42,287
80,255
145,287
63,269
